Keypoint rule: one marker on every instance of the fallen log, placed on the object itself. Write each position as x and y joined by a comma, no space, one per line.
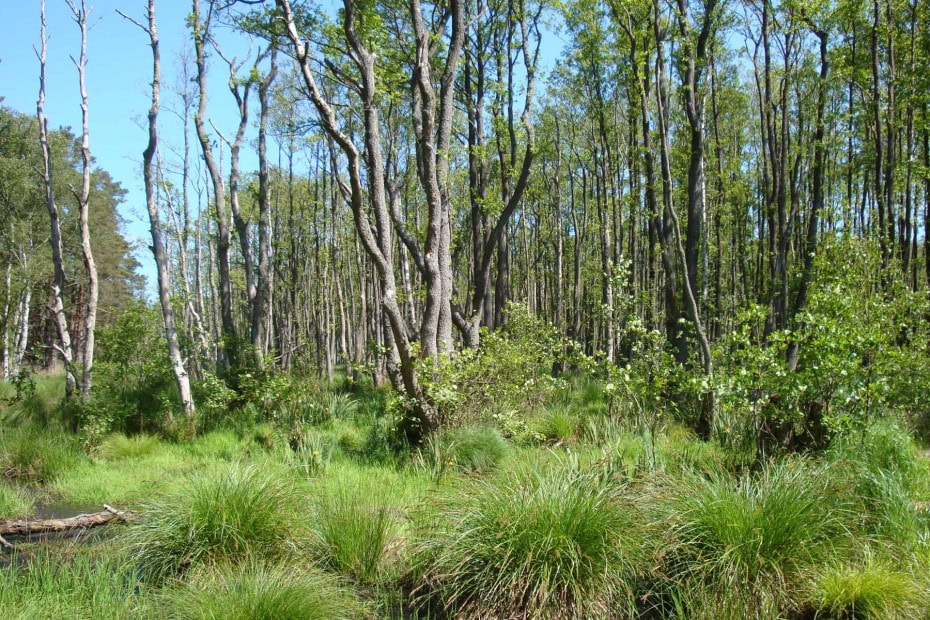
29,527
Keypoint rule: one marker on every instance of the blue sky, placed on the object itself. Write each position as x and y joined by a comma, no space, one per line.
118,86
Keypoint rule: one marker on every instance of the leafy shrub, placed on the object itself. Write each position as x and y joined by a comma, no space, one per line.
119,446
512,365
750,540
134,387
254,591
36,455
14,502
352,529
217,515
554,545
872,590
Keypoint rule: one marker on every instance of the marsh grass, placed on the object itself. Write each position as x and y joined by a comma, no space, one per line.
559,545
118,446
81,587
253,590
557,425
871,589
474,450
37,455
746,542
352,528
228,513
14,502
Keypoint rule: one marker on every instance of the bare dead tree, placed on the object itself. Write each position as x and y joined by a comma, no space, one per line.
158,245
56,301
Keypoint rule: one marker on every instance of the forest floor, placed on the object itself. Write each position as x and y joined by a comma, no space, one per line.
580,518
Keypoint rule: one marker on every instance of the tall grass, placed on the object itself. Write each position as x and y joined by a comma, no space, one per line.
36,455
118,446
741,546
83,587
883,469
256,591
230,513
469,449
870,590
14,502
559,545
352,529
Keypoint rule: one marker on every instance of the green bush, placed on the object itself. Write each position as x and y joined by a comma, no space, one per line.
352,530
746,542
216,515
554,545
14,502
36,455
255,591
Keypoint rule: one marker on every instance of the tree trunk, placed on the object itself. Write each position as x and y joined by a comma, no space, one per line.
158,247
56,302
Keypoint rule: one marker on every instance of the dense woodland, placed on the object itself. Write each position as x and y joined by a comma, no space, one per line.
698,215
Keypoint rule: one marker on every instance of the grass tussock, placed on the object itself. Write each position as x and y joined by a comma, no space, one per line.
740,546
870,590
233,512
14,502
352,530
559,545
473,450
36,455
118,446
256,591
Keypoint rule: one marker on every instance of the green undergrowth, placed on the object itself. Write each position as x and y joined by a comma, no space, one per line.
567,509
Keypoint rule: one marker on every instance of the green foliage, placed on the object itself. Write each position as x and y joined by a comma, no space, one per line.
35,455
134,389
341,406
310,452
884,472
257,591
553,545
512,365
234,511
214,400
31,398
556,425
352,529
